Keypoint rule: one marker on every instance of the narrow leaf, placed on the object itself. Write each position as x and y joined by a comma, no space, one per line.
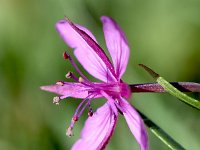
175,92
172,90
159,133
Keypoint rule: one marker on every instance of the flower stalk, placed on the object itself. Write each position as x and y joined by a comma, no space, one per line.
157,88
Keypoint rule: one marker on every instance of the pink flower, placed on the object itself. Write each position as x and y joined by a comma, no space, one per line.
100,125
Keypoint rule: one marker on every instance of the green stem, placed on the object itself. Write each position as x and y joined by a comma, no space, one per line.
159,133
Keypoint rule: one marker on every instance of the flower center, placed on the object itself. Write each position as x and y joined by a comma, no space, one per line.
115,90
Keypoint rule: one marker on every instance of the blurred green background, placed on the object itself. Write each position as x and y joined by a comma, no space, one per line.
163,34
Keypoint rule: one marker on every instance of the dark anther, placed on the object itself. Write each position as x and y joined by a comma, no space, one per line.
75,118
65,55
90,113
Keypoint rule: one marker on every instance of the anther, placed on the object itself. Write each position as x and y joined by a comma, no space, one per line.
80,79
65,55
75,118
56,100
68,75
61,83
69,132
90,113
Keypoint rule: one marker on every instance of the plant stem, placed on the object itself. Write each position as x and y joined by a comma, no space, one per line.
157,88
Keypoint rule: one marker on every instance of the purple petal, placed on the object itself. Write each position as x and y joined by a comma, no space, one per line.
83,51
135,124
76,90
117,45
98,130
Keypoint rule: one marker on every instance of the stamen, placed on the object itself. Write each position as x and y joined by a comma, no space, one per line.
69,75
65,55
84,80
75,118
90,112
80,113
61,83
79,106
80,79
56,100
69,132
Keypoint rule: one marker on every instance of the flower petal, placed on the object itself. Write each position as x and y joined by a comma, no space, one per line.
98,130
76,90
135,124
117,45
83,51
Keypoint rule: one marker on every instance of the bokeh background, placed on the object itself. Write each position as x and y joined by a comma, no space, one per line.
163,34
